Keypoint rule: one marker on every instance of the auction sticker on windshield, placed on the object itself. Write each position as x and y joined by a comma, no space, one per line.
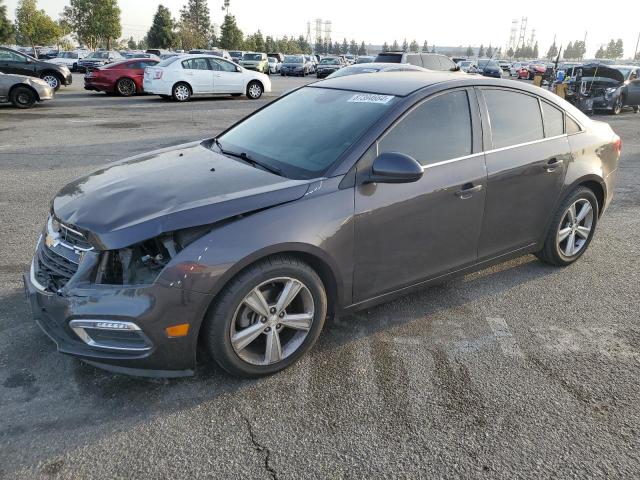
370,98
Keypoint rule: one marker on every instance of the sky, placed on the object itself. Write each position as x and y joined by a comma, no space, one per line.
458,23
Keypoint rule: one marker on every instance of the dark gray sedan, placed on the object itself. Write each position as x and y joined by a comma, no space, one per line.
245,243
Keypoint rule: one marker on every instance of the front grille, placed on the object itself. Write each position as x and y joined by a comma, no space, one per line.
51,269
73,238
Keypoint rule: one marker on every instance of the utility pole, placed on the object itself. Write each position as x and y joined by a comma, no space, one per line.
635,53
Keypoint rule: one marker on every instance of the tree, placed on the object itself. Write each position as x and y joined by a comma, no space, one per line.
469,52
162,32
481,51
489,51
35,26
6,28
568,52
335,50
131,44
362,50
536,52
619,51
425,47
353,47
552,52
231,37
414,47
395,47
94,21
385,47
600,53
405,46
579,49
344,49
510,52
195,25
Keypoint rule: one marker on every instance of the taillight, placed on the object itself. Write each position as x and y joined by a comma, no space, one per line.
617,145
157,75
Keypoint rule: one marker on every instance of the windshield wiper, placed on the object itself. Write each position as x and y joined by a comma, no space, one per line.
248,159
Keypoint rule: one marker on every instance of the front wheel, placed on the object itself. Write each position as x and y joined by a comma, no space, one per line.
22,97
617,106
53,80
254,90
266,318
571,229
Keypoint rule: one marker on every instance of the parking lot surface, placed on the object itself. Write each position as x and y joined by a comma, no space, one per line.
518,371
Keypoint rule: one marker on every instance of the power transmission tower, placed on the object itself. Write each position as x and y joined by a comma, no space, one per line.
523,32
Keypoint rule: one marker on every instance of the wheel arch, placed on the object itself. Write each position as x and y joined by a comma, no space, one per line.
596,185
182,82
25,85
57,74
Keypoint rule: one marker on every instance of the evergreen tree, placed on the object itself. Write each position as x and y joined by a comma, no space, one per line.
414,47
132,44
335,50
481,51
231,37
489,51
345,47
395,47
195,25
535,53
405,46
469,52
353,47
433,49
619,51
552,52
385,47
6,28
362,50
162,34
510,52
600,53
425,47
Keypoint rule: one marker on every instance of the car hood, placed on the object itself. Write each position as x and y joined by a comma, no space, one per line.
601,71
290,65
180,187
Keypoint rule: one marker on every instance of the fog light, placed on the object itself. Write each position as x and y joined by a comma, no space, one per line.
180,330
111,334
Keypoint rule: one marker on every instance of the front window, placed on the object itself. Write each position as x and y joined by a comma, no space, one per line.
329,61
252,57
9,56
71,55
304,146
292,59
98,56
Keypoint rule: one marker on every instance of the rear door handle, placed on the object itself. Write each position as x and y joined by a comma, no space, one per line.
553,164
468,189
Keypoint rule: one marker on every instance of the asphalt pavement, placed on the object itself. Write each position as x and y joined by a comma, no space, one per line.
518,371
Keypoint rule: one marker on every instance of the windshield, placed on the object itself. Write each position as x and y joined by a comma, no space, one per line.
305,146
292,59
329,61
487,63
272,60
465,64
252,56
68,55
99,55
389,58
236,54
625,72
343,72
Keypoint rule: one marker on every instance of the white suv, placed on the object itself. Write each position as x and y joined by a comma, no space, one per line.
186,75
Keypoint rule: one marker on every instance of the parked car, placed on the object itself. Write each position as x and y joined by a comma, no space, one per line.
279,56
328,65
274,65
515,68
99,59
365,59
350,58
255,61
376,68
504,65
468,66
218,53
151,56
14,62
489,68
310,61
431,61
536,68
294,65
184,76
124,78
23,91
69,59
236,55
158,52
604,87
244,243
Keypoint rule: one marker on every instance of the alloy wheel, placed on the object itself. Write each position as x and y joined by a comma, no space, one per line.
255,90
52,80
272,321
617,107
182,93
575,228
126,87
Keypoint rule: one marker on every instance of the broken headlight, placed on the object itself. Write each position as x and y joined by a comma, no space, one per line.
142,263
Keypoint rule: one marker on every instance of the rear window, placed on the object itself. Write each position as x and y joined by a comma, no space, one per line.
432,62
572,126
515,118
196,64
553,120
389,58
167,61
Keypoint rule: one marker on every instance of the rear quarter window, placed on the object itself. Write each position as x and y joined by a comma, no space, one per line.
514,117
553,120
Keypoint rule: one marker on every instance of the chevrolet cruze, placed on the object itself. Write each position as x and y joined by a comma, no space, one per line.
244,243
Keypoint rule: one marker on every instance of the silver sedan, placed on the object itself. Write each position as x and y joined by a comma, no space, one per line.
23,91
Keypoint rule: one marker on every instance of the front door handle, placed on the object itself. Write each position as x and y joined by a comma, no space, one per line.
467,191
553,164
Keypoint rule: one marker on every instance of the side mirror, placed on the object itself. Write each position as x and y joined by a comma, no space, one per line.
395,167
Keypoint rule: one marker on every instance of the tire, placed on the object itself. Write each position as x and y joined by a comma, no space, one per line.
181,92
618,106
254,90
126,87
580,232
23,97
249,355
636,109
53,80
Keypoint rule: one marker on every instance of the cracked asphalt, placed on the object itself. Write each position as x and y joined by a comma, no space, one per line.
517,371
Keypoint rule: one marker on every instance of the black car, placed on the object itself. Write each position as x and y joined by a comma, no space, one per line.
431,61
327,66
604,87
99,59
14,62
489,68
295,65
243,244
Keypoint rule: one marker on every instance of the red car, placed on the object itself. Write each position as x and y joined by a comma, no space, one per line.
124,78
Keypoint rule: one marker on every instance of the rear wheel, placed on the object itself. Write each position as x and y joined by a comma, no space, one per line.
266,318
23,97
126,87
254,90
181,92
636,109
571,229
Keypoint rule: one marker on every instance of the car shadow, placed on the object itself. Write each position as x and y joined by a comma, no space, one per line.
48,396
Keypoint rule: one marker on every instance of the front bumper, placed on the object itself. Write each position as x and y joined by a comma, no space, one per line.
152,308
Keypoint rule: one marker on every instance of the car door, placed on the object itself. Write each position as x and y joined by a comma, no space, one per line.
226,78
405,233
633,88
199,74
16,63
526,166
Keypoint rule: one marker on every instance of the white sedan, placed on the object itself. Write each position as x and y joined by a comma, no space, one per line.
183,76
